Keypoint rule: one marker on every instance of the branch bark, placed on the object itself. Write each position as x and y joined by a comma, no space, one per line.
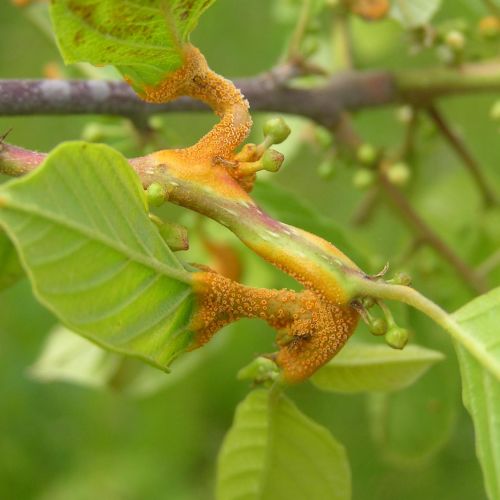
325,104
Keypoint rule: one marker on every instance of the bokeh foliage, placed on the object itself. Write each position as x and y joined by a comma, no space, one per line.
62,440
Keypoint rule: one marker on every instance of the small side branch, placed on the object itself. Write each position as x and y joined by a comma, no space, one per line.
471,277
488,195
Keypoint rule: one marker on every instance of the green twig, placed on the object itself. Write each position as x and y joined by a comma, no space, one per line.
410,296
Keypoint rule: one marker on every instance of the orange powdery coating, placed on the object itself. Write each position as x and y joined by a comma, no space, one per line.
310,328
197,80
370,9
313,273
189,166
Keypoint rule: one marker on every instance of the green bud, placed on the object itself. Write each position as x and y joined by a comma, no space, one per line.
366,154
397,337
326,169
155,123
401,278
175,236
259,370
92,133
404,114
455,40
272,160
156,194
399,174
363,178
495,111
276,129
378,326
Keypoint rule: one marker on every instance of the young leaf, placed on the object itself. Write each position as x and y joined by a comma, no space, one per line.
481,390
274,451
95,259
10,267
414,13
367,367
143,39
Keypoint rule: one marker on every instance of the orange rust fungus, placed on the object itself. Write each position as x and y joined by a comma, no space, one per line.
370,9
197,80
311,329
311,274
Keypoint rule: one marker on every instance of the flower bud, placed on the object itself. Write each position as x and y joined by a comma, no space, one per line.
272,160
363,178
156,194
398,174
366,154
276,129
397,337
378,326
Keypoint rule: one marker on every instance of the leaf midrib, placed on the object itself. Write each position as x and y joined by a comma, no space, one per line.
117,246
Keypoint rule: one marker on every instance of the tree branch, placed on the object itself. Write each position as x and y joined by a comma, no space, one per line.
456,142
349,91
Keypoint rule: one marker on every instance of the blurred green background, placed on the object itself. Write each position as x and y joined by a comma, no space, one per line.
63,441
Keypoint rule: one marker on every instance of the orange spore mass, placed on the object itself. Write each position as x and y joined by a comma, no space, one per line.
311,328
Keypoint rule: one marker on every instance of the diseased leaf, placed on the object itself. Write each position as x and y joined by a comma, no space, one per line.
142,38
362,367
481,390
274,451
10,267
81,227
414,13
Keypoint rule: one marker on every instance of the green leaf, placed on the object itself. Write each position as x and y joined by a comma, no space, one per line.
274,451
142,38
414,13
412,425
81,227
10,267
481,389
68,357
287,207
362,367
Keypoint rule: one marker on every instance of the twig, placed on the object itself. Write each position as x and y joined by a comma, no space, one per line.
349,91
489,264
365,210
293,52
488,195
406,211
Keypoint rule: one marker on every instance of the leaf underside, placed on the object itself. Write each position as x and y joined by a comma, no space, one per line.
274,451
481,389
81,227
361,367
142,38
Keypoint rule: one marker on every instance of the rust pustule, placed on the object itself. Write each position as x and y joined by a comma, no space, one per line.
311,330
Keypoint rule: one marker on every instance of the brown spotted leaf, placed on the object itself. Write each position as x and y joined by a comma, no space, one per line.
142,38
